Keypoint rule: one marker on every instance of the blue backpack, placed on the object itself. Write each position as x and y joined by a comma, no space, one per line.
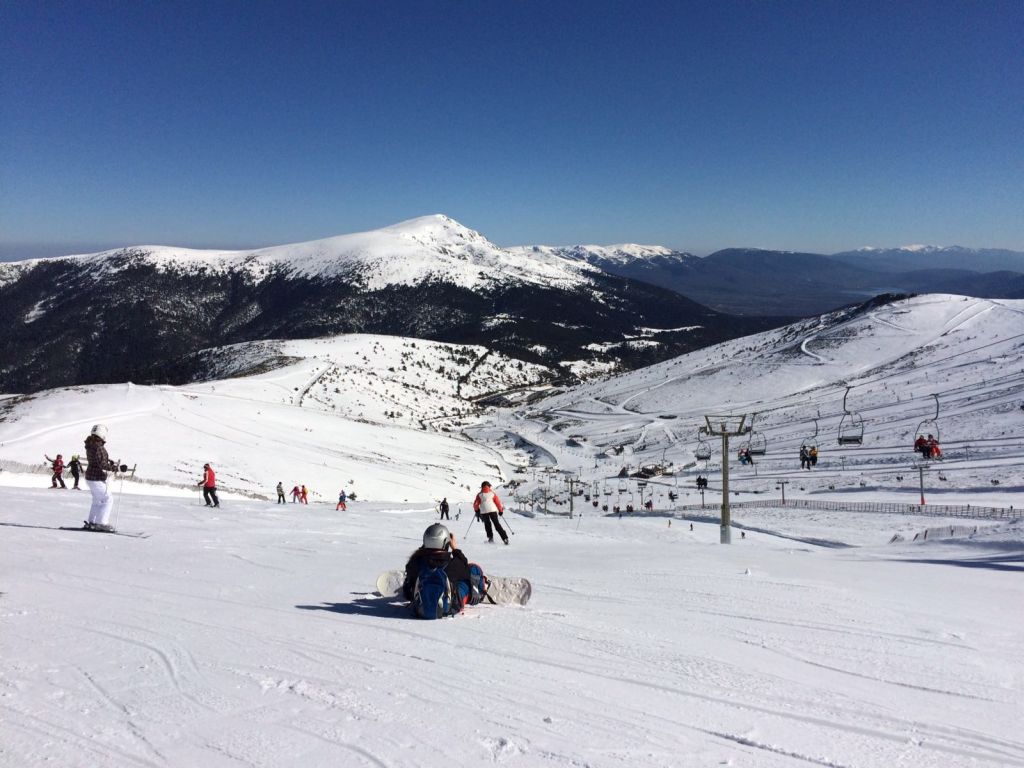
432,598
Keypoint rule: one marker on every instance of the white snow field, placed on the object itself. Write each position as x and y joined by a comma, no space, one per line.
378,415
900,360
251,635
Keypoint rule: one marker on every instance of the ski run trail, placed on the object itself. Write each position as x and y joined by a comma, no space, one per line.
251,635
838,633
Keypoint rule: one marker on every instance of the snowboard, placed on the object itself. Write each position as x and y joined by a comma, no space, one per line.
108,533
502,590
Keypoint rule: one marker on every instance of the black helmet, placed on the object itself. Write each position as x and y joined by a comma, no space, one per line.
436,537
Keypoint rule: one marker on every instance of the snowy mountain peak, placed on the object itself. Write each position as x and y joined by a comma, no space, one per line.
433,248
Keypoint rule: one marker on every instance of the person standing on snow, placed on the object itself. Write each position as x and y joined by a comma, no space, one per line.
488,507
57,465
443,506
305,495
209,483
342,498
296,493
75,465
96,479
280,493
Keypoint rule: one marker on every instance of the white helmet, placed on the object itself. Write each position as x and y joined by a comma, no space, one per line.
100,430
436,537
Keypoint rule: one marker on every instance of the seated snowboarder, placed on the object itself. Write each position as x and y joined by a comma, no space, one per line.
438,581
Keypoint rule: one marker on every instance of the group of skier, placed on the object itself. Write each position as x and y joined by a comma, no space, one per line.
460,582
98,464
808,456
57,467
928,447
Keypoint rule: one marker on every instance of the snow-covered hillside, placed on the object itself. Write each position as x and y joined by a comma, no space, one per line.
603,255
426,249
375,414
252,636
894,358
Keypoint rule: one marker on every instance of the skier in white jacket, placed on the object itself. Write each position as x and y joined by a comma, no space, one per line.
488,507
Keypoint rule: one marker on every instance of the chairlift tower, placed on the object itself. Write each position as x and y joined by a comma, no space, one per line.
726,427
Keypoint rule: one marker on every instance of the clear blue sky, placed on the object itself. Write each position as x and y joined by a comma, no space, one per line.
810,126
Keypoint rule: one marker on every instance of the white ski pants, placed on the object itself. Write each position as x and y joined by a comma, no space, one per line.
102,502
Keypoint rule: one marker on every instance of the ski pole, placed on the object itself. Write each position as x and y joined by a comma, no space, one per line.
579,521
117,501
470,526
509,527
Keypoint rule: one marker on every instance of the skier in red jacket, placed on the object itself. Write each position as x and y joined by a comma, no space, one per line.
488,507
57,465
209,483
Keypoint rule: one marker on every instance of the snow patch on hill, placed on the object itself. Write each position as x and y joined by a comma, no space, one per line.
622,254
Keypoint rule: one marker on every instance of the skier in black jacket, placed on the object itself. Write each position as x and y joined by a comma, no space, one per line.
438,551
75,465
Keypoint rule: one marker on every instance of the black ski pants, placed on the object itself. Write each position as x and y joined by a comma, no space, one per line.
210,495
280,497
444,514
57,478
491,519
76,475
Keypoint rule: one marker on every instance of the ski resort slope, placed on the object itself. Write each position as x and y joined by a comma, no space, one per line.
376,415
895,358
251,636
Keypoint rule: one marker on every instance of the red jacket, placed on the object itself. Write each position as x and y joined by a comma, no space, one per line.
209,479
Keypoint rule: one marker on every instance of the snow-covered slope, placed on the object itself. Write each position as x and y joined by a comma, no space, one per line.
968,352
251,635
375,414
604,255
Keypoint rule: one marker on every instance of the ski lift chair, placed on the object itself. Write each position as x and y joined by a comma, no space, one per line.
851,426
757,445
930,426
812,441
703,451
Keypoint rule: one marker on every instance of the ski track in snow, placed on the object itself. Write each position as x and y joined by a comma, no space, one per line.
251,637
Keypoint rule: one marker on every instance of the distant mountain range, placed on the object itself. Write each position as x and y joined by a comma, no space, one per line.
147,313
750,281
144,313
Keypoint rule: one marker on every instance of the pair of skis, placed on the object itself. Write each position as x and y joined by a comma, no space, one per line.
135,535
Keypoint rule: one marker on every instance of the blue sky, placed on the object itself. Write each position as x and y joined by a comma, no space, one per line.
812,126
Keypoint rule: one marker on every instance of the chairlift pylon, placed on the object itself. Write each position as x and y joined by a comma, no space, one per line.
851,426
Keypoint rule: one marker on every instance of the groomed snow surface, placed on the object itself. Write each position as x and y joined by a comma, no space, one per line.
250,636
